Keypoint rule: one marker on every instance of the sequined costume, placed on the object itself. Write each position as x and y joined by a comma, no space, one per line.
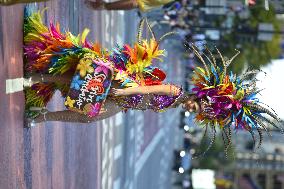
157,103
48,51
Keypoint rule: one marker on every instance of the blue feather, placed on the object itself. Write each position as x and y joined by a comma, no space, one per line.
215,74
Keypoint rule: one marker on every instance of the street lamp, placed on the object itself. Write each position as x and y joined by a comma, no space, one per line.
186,128
181,170
182,153
187,114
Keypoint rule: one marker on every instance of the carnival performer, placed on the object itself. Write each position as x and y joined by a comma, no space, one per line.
97,83
142,5
85,72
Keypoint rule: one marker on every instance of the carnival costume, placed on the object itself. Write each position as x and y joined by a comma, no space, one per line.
48,51
228,101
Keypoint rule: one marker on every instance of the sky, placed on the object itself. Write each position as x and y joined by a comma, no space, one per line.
273,85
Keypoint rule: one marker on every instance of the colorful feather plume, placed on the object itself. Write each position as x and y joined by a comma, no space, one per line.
136,61
229,101
142,55
47,50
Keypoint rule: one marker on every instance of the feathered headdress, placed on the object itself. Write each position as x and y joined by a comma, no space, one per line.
137,59
45,45
229,101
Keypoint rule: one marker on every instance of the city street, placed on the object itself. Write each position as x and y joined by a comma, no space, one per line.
119,152
143,149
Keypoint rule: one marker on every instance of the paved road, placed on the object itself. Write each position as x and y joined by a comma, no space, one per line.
119,152
52,155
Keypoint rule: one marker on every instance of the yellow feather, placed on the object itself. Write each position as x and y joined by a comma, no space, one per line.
84,35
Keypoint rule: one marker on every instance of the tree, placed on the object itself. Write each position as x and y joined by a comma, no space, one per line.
254,54
215,158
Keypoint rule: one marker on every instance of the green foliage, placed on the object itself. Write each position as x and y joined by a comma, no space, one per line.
254,54
215,158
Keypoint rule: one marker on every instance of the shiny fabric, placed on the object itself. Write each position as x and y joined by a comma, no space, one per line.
157,103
